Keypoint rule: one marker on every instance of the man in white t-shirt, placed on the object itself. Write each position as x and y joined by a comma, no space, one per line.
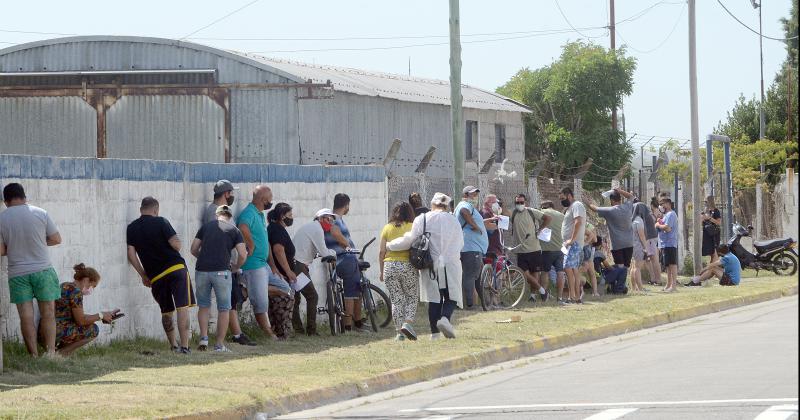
572,231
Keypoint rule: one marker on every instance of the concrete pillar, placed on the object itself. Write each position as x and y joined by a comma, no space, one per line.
759,215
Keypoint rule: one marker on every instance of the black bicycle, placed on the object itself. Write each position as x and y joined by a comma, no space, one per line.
374,300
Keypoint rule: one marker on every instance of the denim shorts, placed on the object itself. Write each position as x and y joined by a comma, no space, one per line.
283,285
347,270
220,282
573,258
256,282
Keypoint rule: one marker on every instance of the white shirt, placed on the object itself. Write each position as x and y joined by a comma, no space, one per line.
574,211
309,241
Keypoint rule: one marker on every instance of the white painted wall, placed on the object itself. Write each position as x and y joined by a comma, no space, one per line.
92,215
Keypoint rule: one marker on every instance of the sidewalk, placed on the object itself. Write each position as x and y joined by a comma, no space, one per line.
128,380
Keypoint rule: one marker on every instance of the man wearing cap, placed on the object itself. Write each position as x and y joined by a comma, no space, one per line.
476,242
223,195
212,246
309,242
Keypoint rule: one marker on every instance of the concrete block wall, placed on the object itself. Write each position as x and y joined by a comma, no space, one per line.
93,200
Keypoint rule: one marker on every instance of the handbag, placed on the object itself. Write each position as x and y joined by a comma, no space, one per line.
711,229
419,255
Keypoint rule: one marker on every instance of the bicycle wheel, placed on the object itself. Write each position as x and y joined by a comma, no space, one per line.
330,303
382,305
369,306
512,287
485,287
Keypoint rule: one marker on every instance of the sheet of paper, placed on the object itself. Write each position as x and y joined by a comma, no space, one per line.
502,222
302,281
565,250
545,234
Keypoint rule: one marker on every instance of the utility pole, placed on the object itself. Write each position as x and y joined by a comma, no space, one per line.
612,29
456,113
761,119
696,226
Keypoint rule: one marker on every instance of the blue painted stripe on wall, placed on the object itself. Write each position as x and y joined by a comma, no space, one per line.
46,167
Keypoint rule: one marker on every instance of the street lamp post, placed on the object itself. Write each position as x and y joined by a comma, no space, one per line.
761,119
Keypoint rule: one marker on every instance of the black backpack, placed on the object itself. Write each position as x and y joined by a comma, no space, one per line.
420,253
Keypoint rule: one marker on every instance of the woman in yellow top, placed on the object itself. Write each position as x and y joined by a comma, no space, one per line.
400,277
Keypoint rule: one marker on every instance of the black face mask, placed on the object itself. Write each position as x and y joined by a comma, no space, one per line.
230,200
268,206
565,203
288,221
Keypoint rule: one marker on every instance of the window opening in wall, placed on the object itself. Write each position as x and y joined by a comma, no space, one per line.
499,142
471,140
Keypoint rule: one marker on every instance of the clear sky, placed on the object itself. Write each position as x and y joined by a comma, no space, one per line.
727,53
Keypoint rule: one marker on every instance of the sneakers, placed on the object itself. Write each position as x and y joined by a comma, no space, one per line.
446,328
220,348
243,340
532,298
182,350
436,336
408,331
545,296
400,337
692,283
203,346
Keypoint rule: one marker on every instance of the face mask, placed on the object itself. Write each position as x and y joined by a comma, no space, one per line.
87,291
326,227
662,209
496,208
230,200
565,203
268,205
520,207
288,221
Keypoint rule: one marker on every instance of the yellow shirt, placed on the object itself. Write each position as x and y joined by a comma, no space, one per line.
391,232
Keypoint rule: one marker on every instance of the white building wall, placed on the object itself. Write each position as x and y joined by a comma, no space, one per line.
92,202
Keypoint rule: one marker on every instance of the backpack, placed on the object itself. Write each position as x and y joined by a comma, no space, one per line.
419,255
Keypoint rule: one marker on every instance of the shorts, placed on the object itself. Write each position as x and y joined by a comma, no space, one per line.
726,281
256,282
553,260
275,281
42,286
623,256
347,270
573,258
670,256
173,291
530,261
220,282
652,247
588,254
237,295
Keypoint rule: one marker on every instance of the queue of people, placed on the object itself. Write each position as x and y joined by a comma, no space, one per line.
252,257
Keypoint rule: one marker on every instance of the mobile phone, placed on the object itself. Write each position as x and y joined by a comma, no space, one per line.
117,316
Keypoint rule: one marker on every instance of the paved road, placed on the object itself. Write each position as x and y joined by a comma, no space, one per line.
738,364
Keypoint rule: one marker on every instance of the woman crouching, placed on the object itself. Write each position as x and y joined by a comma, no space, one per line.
74,328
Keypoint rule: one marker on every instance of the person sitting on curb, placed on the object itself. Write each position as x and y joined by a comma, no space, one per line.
74,328
727,269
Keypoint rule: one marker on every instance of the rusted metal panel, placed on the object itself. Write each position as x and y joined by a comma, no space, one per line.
171,127
264,126
48,126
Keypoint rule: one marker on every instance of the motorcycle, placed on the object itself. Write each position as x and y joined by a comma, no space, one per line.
776,255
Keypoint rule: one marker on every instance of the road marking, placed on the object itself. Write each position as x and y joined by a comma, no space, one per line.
777,412
611,414
440,418
592,405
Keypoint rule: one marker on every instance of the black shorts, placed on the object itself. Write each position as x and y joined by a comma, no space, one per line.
530,261
726,280
670,256
554,260
623,256
237,297
174,290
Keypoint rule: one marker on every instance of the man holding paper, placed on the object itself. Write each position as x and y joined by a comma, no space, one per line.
526,226
212,247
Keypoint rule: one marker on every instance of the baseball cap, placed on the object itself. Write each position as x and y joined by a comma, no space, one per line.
469,189
223,185
324,212
224,209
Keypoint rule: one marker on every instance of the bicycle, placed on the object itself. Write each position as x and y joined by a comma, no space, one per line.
379,311
501,282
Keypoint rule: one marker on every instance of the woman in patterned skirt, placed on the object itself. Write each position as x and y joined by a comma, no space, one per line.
74,328
400,277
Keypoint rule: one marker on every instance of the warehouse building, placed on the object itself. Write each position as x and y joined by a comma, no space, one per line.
152,98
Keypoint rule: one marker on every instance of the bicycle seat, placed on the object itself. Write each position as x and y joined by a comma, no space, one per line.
363,265
329,259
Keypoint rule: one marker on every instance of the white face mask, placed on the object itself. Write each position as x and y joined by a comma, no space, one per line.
520,207
662,209
496,208
87,291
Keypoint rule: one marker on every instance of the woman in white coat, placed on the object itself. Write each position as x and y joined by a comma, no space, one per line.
441,286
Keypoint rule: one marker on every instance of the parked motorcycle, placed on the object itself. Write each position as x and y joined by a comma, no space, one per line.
776,255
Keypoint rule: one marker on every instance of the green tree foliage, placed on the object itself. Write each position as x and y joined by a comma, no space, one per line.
571,102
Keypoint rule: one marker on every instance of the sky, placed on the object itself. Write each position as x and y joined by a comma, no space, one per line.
499,38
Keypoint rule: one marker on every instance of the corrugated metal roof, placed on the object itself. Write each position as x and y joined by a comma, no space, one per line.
393,86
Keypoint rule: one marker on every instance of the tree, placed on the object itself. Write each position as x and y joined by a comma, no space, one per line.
571,102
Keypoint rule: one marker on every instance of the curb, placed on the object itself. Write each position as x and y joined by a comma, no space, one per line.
402,377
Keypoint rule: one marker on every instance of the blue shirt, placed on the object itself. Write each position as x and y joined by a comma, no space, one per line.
331,243
669,239
732,267
473,241
254,220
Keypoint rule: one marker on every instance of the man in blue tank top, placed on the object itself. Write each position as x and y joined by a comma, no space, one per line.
338,239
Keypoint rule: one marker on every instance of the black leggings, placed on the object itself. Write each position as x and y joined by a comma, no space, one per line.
444,308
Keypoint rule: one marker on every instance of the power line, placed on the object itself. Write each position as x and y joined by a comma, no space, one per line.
751,29
662,43
220,19
568,22
647,10
10,31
